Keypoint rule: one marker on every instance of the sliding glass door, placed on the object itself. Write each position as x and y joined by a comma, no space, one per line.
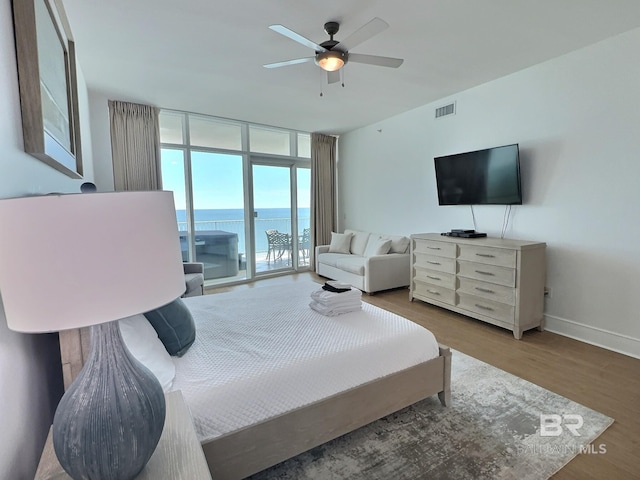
281,217
234,183
272,220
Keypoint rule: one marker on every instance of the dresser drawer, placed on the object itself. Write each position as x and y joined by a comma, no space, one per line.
487,273
491,291
433,277
439,264
435,292
489,308
488,255
441,249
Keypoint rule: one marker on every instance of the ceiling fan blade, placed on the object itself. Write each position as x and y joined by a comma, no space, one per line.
364,33
375,60
333,77
295,61
296,37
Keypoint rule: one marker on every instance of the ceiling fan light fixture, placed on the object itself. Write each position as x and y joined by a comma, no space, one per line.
331,60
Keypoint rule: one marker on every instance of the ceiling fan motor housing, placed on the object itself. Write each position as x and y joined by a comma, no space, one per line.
331,28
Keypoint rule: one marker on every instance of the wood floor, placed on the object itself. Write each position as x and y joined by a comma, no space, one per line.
600,379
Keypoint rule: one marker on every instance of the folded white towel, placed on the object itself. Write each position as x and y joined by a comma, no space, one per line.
333,298
338,284
334,311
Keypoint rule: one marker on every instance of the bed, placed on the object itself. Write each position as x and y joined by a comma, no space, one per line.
325,377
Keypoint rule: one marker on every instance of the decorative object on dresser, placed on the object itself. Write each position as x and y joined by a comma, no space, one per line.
498,281
106,256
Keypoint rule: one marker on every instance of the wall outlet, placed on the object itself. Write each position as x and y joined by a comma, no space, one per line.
548,292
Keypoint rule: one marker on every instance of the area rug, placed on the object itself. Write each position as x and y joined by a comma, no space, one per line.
492,431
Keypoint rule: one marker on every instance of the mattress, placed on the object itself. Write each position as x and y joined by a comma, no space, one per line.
262,352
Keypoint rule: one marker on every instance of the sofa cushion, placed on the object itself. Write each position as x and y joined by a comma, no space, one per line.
351,263
330,259
399,244
358,241
377,246
340,243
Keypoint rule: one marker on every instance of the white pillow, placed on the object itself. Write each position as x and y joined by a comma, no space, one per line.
358,242
377,246
399,244
340,242
142,341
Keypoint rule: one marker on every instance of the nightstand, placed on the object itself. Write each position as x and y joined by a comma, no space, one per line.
178,455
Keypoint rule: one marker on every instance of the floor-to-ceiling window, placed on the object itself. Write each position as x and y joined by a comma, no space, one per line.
241,192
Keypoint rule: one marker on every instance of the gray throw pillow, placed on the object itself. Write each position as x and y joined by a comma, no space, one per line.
174,325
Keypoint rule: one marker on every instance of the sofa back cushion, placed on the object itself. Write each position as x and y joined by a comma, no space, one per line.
377,246
340,242
399,244
358,241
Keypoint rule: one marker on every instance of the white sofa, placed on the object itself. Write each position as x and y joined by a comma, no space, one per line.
370,262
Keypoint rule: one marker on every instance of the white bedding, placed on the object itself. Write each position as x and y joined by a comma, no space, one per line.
262,352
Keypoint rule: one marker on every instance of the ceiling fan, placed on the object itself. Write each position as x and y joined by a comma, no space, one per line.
331,55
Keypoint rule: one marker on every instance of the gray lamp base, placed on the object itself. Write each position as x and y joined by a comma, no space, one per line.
110,420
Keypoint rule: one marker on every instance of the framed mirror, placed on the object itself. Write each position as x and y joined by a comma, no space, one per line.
48,85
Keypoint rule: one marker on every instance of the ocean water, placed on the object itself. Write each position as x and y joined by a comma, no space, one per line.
232,220
229,214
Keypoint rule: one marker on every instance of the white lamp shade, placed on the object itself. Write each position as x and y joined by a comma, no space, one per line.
69,261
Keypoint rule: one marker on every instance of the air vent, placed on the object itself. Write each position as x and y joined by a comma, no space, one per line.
446,110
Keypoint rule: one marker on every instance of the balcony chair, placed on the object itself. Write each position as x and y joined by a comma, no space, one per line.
305,244
278,244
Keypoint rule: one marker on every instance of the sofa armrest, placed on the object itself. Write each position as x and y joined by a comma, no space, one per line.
320,249
387,271
193,267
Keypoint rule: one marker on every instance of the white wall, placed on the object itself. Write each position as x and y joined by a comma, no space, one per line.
30,373
577,120
101,140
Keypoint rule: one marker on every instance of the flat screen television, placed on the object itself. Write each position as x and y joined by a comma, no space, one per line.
482,177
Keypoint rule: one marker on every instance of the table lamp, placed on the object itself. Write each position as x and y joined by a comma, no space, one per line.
71,261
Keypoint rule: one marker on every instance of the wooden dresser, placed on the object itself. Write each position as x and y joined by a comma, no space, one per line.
498,281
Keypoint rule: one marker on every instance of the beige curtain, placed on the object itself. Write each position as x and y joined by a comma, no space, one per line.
323,190
135,146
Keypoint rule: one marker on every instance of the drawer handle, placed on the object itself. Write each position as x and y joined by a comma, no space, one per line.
433,248
433,263
433,278
484,307
433,292
486,255
485,290
484,273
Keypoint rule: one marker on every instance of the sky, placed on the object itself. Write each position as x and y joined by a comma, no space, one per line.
217,182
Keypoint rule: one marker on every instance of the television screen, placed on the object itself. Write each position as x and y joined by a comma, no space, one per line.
483,177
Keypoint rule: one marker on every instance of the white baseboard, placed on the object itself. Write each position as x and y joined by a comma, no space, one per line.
595,336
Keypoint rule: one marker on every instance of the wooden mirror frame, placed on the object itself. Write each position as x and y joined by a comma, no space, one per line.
53,148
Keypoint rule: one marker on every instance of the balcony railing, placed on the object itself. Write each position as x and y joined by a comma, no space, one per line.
237,227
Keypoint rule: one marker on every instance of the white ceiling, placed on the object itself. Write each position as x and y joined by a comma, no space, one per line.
206,56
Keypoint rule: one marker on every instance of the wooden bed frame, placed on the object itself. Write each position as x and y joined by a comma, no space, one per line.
251,449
